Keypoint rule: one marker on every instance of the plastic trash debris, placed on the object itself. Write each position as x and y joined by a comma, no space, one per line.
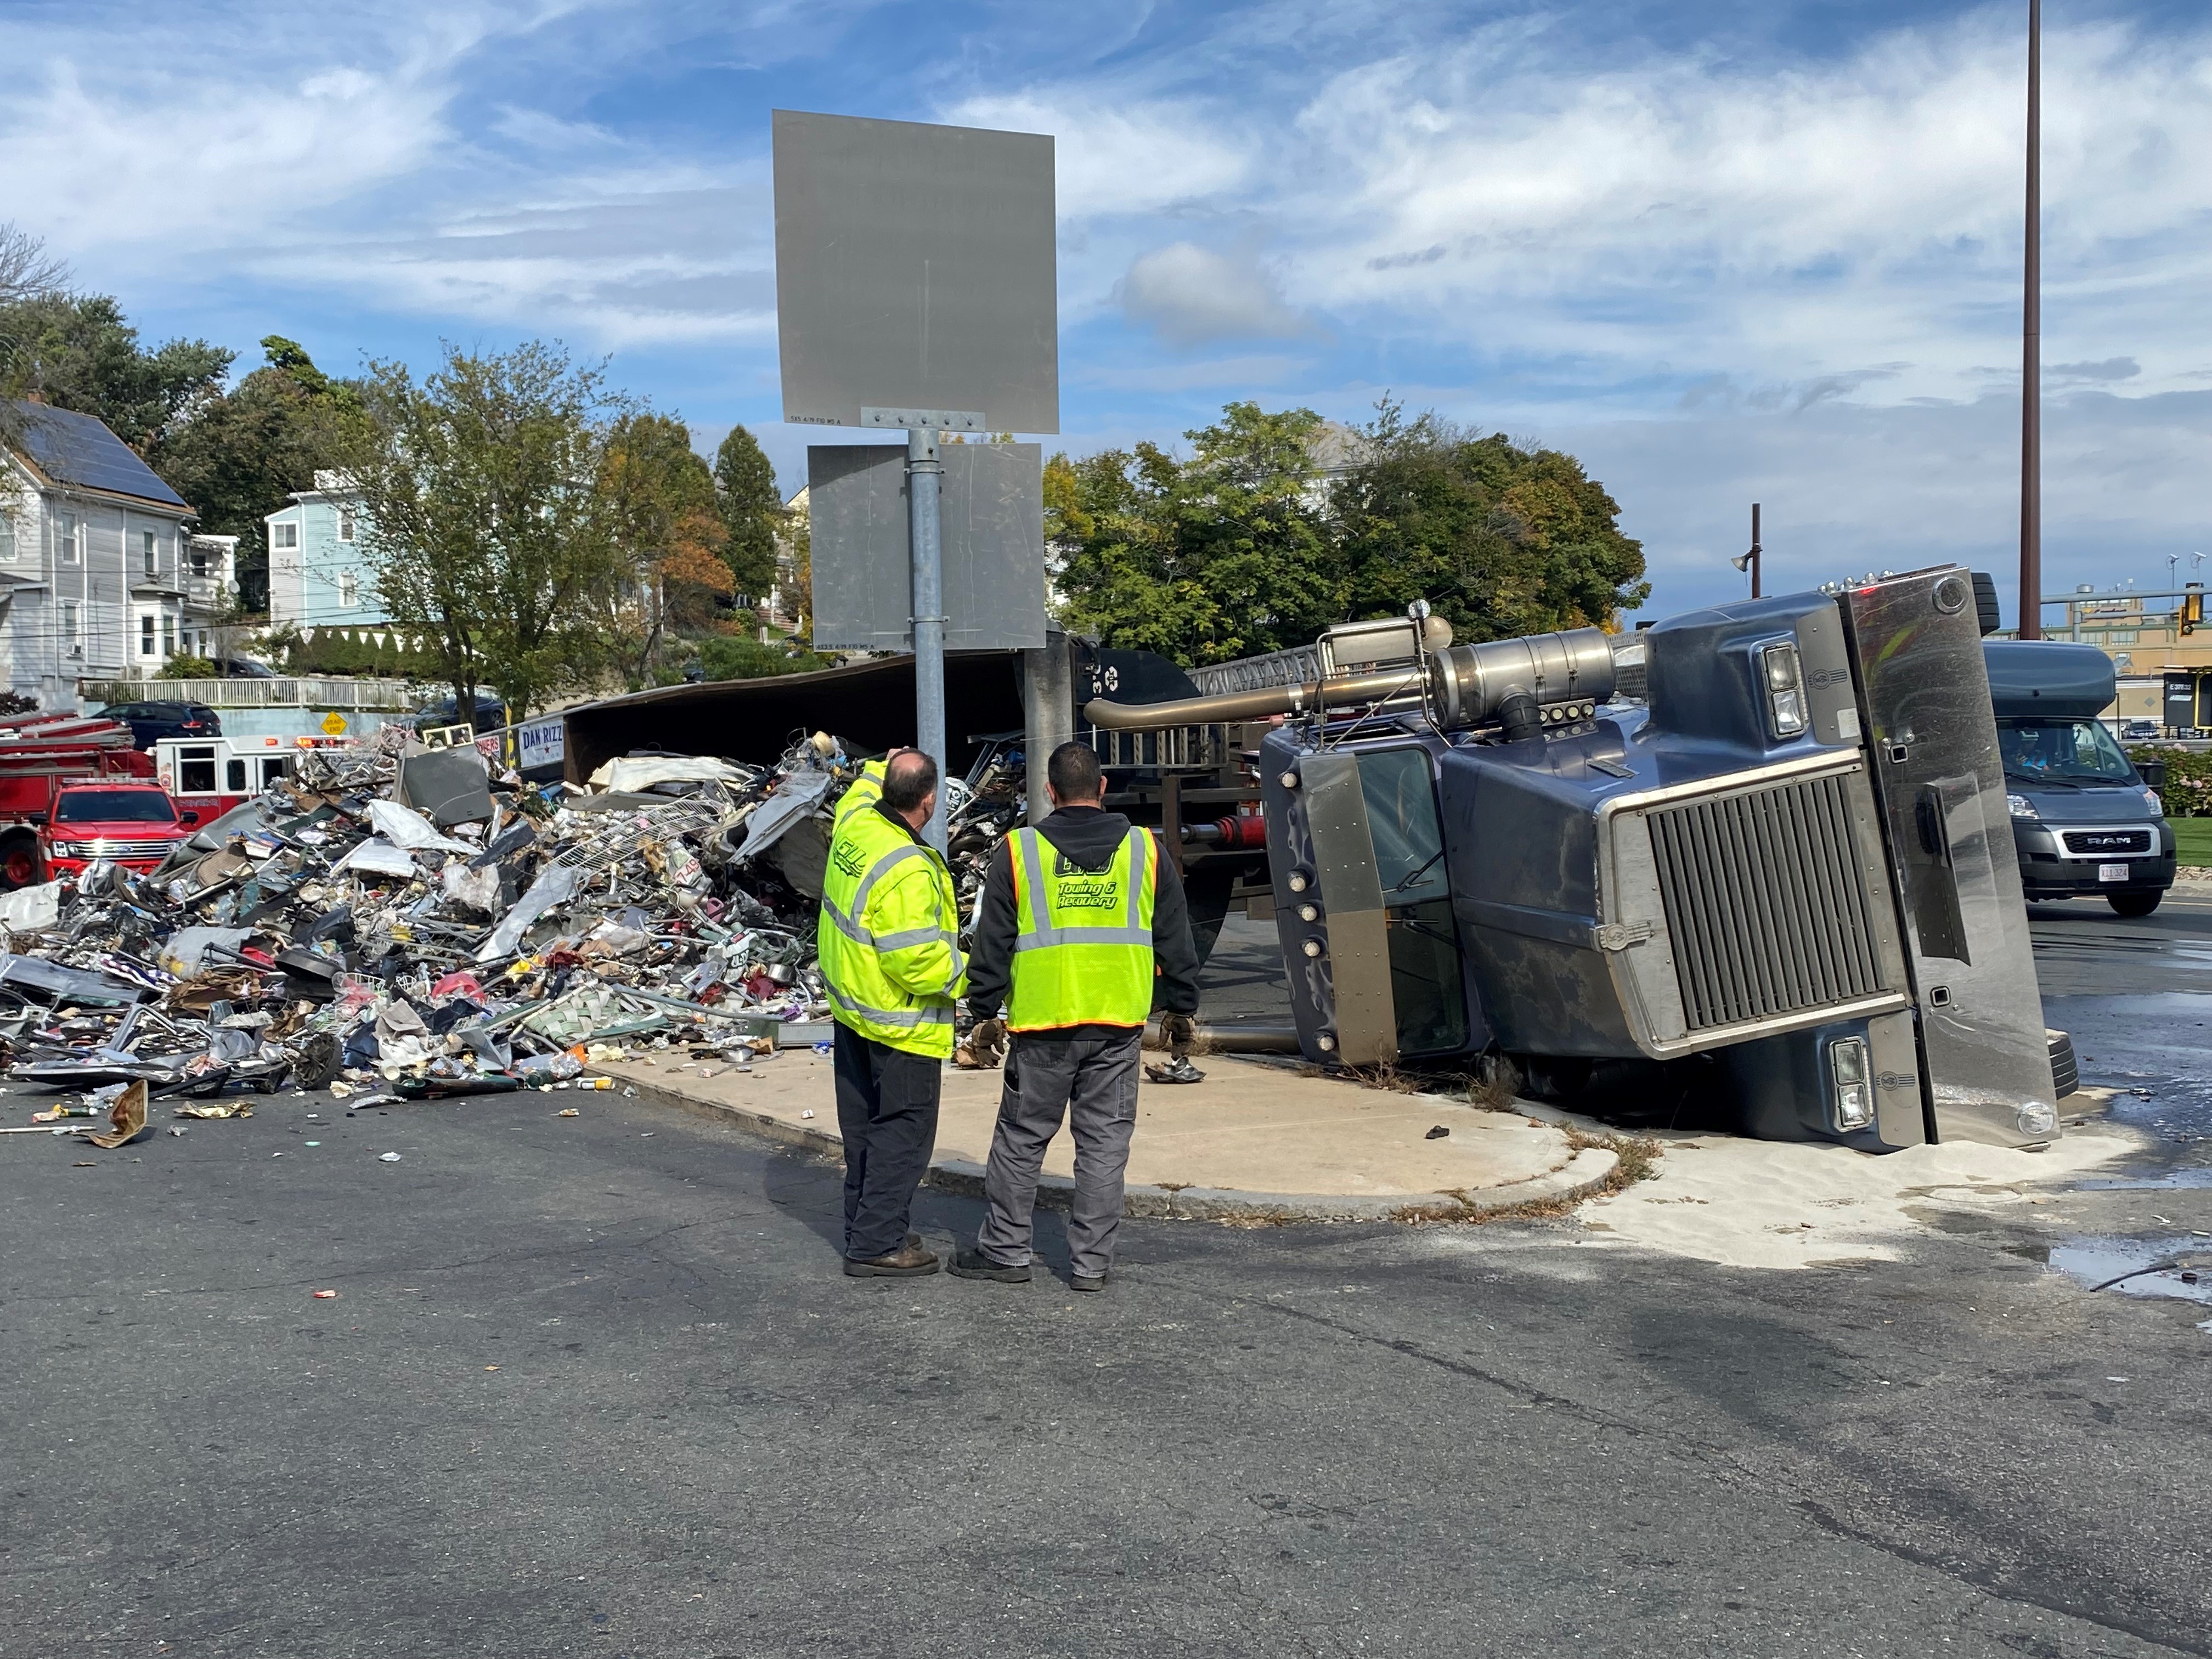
387,1157
326,1296
1436,1133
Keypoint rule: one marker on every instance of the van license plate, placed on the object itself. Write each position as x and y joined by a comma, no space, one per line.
2111,872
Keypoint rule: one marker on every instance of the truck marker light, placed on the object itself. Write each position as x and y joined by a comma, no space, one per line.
1290,780
2022,807
1847,1082
1308,913
1326,1044
2037,1119
1312,947
1298,881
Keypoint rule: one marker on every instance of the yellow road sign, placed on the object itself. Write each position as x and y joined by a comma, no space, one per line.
334,724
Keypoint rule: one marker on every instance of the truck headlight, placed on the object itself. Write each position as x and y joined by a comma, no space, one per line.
1785,690
2151,800
1849,1086
68,849
2022,807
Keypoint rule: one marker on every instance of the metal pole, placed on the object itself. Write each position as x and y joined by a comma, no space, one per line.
2031,383
923,470
1755,549
1049,700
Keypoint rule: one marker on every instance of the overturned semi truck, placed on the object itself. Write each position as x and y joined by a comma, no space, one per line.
1774,851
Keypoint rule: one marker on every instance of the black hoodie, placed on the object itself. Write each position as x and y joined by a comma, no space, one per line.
1088,837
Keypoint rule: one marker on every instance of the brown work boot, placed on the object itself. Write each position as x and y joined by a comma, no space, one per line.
909,1260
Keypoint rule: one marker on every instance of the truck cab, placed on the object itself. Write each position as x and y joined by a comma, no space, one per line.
132,824
2086,822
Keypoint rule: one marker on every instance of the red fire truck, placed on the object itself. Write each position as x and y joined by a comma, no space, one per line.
39,754
210,775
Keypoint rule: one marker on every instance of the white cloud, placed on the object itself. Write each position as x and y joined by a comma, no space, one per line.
1189,295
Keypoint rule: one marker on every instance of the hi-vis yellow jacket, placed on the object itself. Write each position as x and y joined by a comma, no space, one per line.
864,791
890,935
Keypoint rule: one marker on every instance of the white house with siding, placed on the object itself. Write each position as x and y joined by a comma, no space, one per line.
93,552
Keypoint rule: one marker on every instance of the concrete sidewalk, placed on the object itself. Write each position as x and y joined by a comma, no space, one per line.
1256,1141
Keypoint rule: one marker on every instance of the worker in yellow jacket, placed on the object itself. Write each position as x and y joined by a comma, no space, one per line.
889,948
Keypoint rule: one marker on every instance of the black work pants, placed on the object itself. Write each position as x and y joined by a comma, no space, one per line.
887,1116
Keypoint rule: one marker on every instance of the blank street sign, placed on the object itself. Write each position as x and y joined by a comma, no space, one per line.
914,271
993,507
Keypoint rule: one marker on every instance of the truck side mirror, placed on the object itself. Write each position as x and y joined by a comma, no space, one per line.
188,817
2152,772
37,818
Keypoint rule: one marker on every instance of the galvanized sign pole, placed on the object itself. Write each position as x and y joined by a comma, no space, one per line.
923,470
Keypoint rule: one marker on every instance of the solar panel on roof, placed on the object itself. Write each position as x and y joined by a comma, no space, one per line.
79,449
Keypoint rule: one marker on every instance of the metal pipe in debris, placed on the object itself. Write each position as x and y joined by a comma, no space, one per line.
1214,1038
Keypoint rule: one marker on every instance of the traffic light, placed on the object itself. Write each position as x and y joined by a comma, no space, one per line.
2193,609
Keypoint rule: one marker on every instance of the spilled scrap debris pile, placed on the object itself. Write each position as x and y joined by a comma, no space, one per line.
407,926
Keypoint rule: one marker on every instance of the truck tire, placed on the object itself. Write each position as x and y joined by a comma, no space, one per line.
18,861
2134,904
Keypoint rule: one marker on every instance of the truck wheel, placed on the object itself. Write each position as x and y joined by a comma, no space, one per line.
2134,904
19,863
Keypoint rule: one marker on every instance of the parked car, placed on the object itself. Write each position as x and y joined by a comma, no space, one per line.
150,722
2139,731
492,712
134,824
245,668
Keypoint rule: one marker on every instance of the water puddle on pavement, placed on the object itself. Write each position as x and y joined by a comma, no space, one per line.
2176,1267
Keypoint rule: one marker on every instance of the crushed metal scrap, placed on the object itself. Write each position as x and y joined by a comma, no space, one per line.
424,923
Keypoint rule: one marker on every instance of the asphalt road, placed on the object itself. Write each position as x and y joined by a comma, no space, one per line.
594,1387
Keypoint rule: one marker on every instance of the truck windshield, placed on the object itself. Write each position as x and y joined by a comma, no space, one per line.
114,806
2061,751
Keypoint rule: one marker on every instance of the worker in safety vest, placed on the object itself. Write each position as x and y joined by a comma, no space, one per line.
889,948
1083,930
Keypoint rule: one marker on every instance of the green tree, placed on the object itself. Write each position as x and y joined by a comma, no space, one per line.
752,510
484,519
1223,555
739,657
240,456
660,499
77,351
1500,539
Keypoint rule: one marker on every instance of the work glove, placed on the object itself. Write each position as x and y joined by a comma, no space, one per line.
987,1044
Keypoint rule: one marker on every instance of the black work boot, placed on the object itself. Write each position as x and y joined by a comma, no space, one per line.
909,1260
974,1264
1086,1282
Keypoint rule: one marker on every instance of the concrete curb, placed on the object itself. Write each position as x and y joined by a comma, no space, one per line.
1582,1174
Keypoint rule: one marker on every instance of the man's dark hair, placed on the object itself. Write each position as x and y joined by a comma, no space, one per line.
1074,774
908,777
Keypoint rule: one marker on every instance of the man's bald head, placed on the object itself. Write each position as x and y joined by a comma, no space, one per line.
909,780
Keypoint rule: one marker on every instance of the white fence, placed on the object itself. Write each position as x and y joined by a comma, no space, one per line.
288,693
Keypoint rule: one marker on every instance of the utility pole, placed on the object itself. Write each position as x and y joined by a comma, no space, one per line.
2031,383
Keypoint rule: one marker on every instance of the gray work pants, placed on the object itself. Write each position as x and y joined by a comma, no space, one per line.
1092,1082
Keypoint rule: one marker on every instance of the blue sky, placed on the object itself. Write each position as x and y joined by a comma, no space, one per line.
1722,252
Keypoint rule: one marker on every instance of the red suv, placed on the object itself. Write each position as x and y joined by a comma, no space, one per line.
134,824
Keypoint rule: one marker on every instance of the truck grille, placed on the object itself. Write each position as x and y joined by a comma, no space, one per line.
2107,841
106,847
1765,903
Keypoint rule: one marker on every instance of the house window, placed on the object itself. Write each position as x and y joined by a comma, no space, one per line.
145,636
349,590
69,537
169,636
152,550
345,524
72,640
199,560
284,537
7,539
